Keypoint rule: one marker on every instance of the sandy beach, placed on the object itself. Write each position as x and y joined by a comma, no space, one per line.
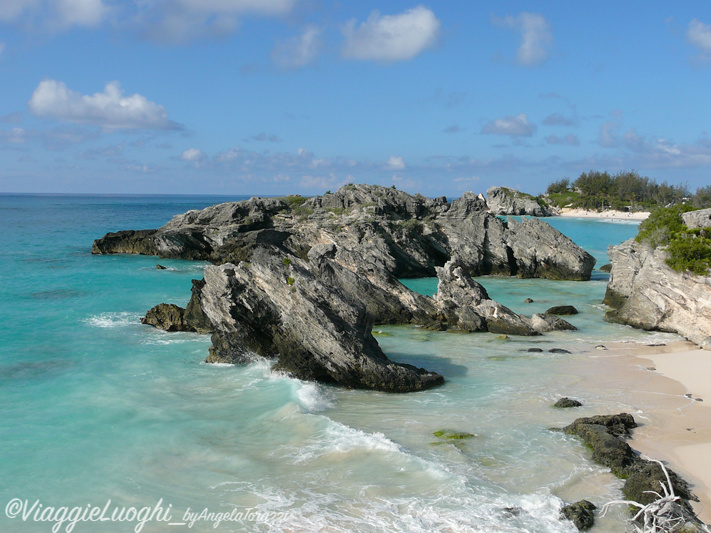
610,214
668,388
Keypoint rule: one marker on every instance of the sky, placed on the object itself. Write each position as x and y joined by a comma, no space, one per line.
243,97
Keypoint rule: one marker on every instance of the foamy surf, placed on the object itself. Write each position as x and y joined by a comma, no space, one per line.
114,320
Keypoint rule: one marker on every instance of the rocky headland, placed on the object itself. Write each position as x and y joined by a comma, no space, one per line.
303,281
645,292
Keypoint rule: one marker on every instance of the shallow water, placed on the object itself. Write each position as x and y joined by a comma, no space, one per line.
98,406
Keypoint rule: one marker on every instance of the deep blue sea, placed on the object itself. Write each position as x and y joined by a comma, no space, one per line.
97,407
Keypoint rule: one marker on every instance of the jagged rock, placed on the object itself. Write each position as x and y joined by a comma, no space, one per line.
606,268
505,201
646,293
168,317
644,478
562,310
528,301
558,350
406,235
581,513
697,219
315,330
161,267
464,304
544,323
566,403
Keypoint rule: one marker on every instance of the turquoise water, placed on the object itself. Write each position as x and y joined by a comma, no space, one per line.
96,406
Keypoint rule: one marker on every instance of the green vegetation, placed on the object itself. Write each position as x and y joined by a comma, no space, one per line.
453,435
293,200
602,190
411,227
287,261
290,280
688,250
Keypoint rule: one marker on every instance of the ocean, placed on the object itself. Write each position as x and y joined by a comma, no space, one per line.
101,411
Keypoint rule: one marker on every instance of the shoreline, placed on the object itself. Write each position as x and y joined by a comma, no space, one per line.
610,214
665,388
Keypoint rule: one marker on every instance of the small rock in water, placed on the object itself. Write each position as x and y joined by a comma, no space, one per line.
580,513
528,300
503,337
562,310
657,344
601,347
688,395
512,511
558,350
606,268
161,267
699,399
566,402
534,350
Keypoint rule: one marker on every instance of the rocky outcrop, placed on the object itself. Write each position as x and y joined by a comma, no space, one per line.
697,219
567,403
505,201
405,235
605,435
168,317
562,310
283,307
646,293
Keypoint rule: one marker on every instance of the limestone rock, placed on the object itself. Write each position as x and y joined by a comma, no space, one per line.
562,310
646,293
697,219
566,403
581,513
505,201
168,317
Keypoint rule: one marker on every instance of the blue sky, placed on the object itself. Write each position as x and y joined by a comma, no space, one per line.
302,96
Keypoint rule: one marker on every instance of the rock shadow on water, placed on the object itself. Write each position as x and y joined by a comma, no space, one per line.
57,294
441,365
34,370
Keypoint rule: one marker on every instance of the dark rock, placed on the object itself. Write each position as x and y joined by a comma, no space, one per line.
562,310
168,317
161,267
601,433
606,268
558,350
645,477
566,402
528,301
534,350
581,514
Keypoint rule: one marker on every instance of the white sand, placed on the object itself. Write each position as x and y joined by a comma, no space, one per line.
611,214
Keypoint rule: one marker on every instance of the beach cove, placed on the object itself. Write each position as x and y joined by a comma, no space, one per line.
135,415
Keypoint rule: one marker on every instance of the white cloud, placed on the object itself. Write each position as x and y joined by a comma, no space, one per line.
699,34
557,119
395,163
298,51
176,21
608,134
536,36
193,155
55,14
518,126
109,109
389,38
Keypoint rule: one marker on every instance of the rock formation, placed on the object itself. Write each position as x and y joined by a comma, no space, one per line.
646,293
697,219
505,201
406,235
302,281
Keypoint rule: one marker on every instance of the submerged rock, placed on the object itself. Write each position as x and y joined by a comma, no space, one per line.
581,513
449,434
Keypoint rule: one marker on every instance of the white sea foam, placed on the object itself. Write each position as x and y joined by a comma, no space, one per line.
113,320
313,398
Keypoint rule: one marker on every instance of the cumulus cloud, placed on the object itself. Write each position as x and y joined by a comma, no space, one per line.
395,163
390,38
570,140
699,34
518,126
175,21
109,109
56,14
193,155
536,36
298,51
